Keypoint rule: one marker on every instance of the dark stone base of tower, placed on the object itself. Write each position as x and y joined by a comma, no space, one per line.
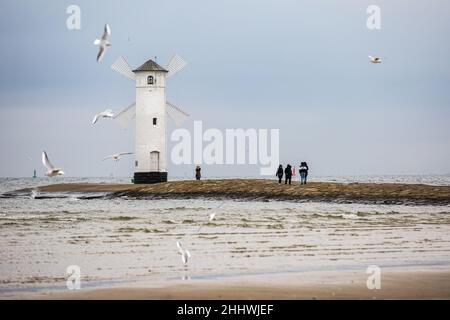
149,177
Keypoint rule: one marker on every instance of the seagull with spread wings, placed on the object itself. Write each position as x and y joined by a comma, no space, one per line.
376,59
116,157
185,254
51,170
108,113
103,43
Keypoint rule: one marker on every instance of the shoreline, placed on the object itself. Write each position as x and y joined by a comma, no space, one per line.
409,283
259,190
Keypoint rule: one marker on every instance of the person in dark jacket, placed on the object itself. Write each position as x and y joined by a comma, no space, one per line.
288,174
198,173
303,170
279,173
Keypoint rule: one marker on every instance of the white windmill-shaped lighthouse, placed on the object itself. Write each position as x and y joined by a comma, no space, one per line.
150,110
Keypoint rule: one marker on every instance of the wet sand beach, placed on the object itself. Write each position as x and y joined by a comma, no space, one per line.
406,283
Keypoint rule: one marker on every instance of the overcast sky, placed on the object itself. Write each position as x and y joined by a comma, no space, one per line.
299,66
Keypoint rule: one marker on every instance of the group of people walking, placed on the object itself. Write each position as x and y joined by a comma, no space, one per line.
287,172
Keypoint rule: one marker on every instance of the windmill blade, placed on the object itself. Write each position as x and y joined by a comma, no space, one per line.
176,114
126,115
123,67
175,65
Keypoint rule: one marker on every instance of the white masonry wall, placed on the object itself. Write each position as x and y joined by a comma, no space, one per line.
150,103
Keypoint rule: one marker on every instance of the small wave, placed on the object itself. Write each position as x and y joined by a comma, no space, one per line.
175,209
123,218
208,237
349,216
155,230
275,226
145,230
128,230
35,194
168,221
244,225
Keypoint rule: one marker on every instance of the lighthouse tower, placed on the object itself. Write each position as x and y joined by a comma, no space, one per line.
150,110
150,161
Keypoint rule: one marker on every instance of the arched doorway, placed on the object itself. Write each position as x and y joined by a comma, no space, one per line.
154,161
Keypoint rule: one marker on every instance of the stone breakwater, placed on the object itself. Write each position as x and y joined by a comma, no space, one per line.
262,190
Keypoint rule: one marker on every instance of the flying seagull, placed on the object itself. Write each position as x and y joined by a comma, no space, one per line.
376,59
211,217
108,113
116,157
103,43
51,170
185,254
34,193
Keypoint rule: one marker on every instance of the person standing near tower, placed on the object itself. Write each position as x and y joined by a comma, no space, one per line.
303,170
279,173
288,174
198,173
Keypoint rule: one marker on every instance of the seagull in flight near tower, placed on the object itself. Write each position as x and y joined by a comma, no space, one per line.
51,170
116,157
376,59
103,43
108,113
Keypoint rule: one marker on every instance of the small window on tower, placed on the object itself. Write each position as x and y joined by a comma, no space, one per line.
150,80
136,163
154,121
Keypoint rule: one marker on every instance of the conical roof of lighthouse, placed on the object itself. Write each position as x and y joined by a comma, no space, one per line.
150,65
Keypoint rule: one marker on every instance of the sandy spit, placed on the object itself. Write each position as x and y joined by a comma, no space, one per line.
254,189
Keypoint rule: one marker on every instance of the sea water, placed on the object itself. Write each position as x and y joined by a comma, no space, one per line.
122,240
